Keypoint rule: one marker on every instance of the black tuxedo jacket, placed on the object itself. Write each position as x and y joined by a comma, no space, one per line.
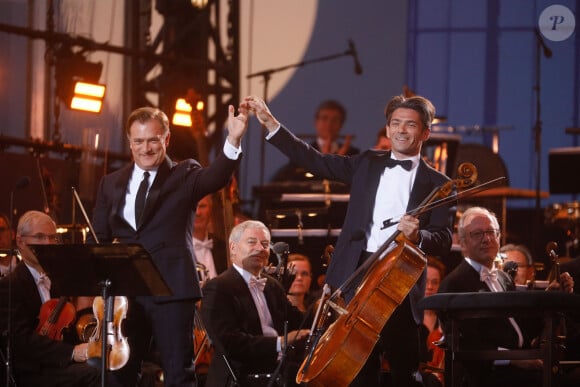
483,332
31,351
166,225
233,324
362,173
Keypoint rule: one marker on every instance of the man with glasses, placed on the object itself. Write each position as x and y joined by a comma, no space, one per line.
39,360
479,237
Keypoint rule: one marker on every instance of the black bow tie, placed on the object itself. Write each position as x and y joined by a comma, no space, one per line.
406,164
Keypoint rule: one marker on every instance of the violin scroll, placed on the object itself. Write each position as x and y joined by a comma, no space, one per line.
467,175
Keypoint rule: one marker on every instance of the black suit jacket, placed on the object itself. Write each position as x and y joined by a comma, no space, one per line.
482,332
31,351
166,226
362,173
233,324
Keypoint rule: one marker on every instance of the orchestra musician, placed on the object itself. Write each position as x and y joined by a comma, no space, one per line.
39,360
329,119
8,260
299,292
152,202
522,262
384,186
479,237
209,251
245,310
431,331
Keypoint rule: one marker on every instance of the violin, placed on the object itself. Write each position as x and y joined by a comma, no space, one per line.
203,349
55,315
336,356
117,345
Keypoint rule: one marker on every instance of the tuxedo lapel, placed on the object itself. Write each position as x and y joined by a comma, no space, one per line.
121,190
422,186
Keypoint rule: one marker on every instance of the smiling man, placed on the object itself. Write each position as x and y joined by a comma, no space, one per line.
384,186
152,202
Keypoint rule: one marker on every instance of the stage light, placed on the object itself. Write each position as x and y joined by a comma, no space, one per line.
88,97
182,115
77,81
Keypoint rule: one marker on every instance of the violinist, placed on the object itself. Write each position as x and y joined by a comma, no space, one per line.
385,185
37,359
479,237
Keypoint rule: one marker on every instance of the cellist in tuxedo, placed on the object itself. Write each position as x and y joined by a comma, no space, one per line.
385,185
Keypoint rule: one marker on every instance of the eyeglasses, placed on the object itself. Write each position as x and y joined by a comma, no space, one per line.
55,238
478,235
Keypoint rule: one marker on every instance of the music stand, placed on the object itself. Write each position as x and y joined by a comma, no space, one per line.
105,269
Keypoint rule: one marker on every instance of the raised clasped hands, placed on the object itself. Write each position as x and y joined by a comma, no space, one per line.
257,106
237,125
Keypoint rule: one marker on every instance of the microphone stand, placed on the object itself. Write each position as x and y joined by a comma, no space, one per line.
537,130
267,74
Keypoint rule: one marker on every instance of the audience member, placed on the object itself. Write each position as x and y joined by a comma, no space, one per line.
39,360
245,312
479,237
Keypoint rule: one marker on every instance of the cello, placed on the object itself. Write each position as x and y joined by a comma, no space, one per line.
336,355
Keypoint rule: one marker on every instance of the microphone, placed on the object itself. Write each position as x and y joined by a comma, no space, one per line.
352,51
511,268
279,248
547,51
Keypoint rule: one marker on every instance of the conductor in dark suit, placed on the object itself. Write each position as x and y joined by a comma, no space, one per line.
245,319
38,360
384,186
152,202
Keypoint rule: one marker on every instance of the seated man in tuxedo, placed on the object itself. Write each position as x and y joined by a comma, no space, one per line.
479,236
245,311
38,360
210,252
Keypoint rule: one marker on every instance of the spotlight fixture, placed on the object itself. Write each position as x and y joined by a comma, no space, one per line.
77,81
182,115
88,97
184,109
